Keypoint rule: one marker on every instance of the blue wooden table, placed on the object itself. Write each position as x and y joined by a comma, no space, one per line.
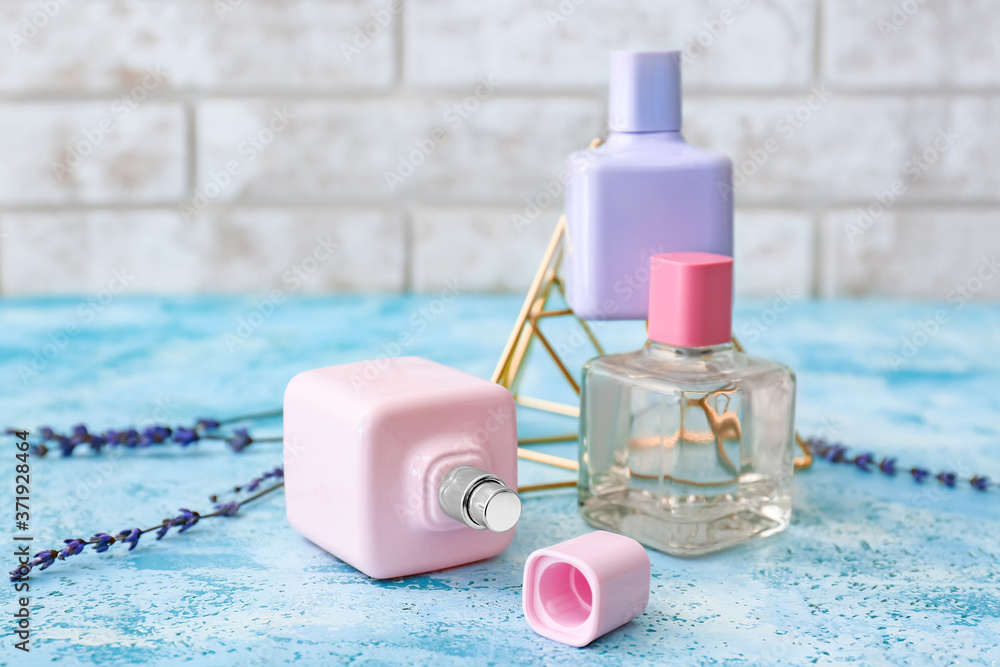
872,570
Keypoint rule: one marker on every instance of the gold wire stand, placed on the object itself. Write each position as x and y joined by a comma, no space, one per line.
509,370
508,373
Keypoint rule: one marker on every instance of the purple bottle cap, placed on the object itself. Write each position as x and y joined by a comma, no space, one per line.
645,91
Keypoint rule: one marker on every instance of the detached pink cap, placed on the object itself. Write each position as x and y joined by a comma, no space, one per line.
691,299
583,588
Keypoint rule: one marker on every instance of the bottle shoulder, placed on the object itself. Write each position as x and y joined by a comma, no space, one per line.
649,366
667,156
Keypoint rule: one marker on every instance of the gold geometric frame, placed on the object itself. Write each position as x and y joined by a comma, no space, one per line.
526,329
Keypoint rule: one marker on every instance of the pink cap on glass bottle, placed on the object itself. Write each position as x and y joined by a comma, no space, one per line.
690,299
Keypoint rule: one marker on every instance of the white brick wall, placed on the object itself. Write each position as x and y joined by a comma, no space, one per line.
214,146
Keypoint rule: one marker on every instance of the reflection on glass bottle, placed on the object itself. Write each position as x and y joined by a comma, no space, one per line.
687,444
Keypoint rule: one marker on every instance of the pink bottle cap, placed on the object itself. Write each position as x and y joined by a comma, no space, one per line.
583,588
691,299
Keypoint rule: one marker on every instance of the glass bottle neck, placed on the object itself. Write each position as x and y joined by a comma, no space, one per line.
675,351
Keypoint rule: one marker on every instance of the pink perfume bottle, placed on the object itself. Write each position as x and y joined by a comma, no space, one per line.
401,466
687,445
642,192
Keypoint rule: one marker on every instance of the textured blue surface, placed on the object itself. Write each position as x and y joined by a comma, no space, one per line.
872,570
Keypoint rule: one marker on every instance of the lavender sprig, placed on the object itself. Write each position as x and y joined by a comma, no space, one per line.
836,452
204,428
254,484
185,520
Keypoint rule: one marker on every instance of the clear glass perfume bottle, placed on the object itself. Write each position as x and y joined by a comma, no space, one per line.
687,445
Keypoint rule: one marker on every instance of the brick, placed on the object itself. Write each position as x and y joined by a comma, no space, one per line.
100,45
904,252
268,248
852,148
226,250
346,151
92,152
774,252
534,43
481,247
911,43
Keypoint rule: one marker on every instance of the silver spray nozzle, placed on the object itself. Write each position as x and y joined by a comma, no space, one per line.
479,499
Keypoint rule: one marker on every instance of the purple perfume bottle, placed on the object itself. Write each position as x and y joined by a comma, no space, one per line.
642,192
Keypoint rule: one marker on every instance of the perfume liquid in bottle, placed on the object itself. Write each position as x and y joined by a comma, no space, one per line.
642,192
687,445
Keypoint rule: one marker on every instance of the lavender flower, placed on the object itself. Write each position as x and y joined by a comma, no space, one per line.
66,445
254,484
46,558
73,547
101,542
835,454
228,509
96,442
206,424
188,518
863,461
155,434
130,535
21,571
948,479
888,466
185,436
240,440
